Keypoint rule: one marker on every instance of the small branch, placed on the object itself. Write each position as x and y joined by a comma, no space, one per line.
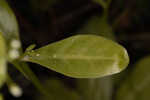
24,68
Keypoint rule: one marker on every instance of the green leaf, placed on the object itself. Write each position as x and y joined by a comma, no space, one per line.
31,47
59,91
136,86
2,61
81,56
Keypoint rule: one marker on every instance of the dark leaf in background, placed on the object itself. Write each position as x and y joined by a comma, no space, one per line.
58,91
136,86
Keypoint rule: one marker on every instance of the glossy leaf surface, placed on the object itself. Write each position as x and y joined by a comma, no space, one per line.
136,86
81,56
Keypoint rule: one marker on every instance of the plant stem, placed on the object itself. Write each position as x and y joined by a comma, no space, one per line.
24,68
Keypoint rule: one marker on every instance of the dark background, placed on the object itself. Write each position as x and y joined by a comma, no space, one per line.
45,22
